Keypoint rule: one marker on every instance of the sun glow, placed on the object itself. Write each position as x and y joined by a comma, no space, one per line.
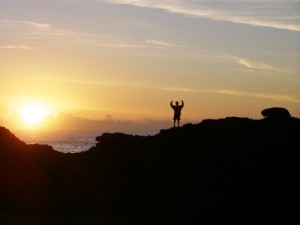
33,113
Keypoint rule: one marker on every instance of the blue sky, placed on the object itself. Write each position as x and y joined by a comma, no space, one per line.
128,58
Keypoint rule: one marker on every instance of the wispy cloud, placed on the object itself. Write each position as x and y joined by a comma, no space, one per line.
118,44
98,82
277,97
253,65
281,14
38,25
185,89
285,98
45,32
21,47
161,43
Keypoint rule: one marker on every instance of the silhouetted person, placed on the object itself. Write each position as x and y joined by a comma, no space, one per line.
177,111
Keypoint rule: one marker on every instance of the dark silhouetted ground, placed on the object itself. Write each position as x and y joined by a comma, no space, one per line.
231,170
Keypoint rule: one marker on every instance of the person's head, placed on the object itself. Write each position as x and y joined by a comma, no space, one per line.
177,103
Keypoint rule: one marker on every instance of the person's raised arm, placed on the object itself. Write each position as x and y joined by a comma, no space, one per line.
171,103
182,103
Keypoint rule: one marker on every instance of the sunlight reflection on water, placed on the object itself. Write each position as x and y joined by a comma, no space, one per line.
64,141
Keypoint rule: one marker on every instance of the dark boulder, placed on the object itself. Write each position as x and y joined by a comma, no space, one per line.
277,113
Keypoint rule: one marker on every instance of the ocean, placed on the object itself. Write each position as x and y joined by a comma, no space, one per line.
64,141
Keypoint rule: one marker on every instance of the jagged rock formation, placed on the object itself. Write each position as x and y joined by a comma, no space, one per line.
231,170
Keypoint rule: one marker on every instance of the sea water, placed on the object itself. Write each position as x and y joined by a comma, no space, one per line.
65,141
62,141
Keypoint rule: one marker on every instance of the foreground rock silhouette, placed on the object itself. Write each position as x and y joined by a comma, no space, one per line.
230,170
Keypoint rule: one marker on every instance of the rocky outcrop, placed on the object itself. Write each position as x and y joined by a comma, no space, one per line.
230,170
276,113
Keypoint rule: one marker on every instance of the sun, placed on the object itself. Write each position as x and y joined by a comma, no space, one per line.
32,113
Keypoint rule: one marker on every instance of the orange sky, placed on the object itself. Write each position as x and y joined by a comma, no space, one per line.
129,59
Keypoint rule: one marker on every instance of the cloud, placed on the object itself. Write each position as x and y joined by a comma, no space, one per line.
38,25
161,43
65,121
46,32
277,97
108,44
123,43
285,98
253,65
23,23
281,14
21,47
185,89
